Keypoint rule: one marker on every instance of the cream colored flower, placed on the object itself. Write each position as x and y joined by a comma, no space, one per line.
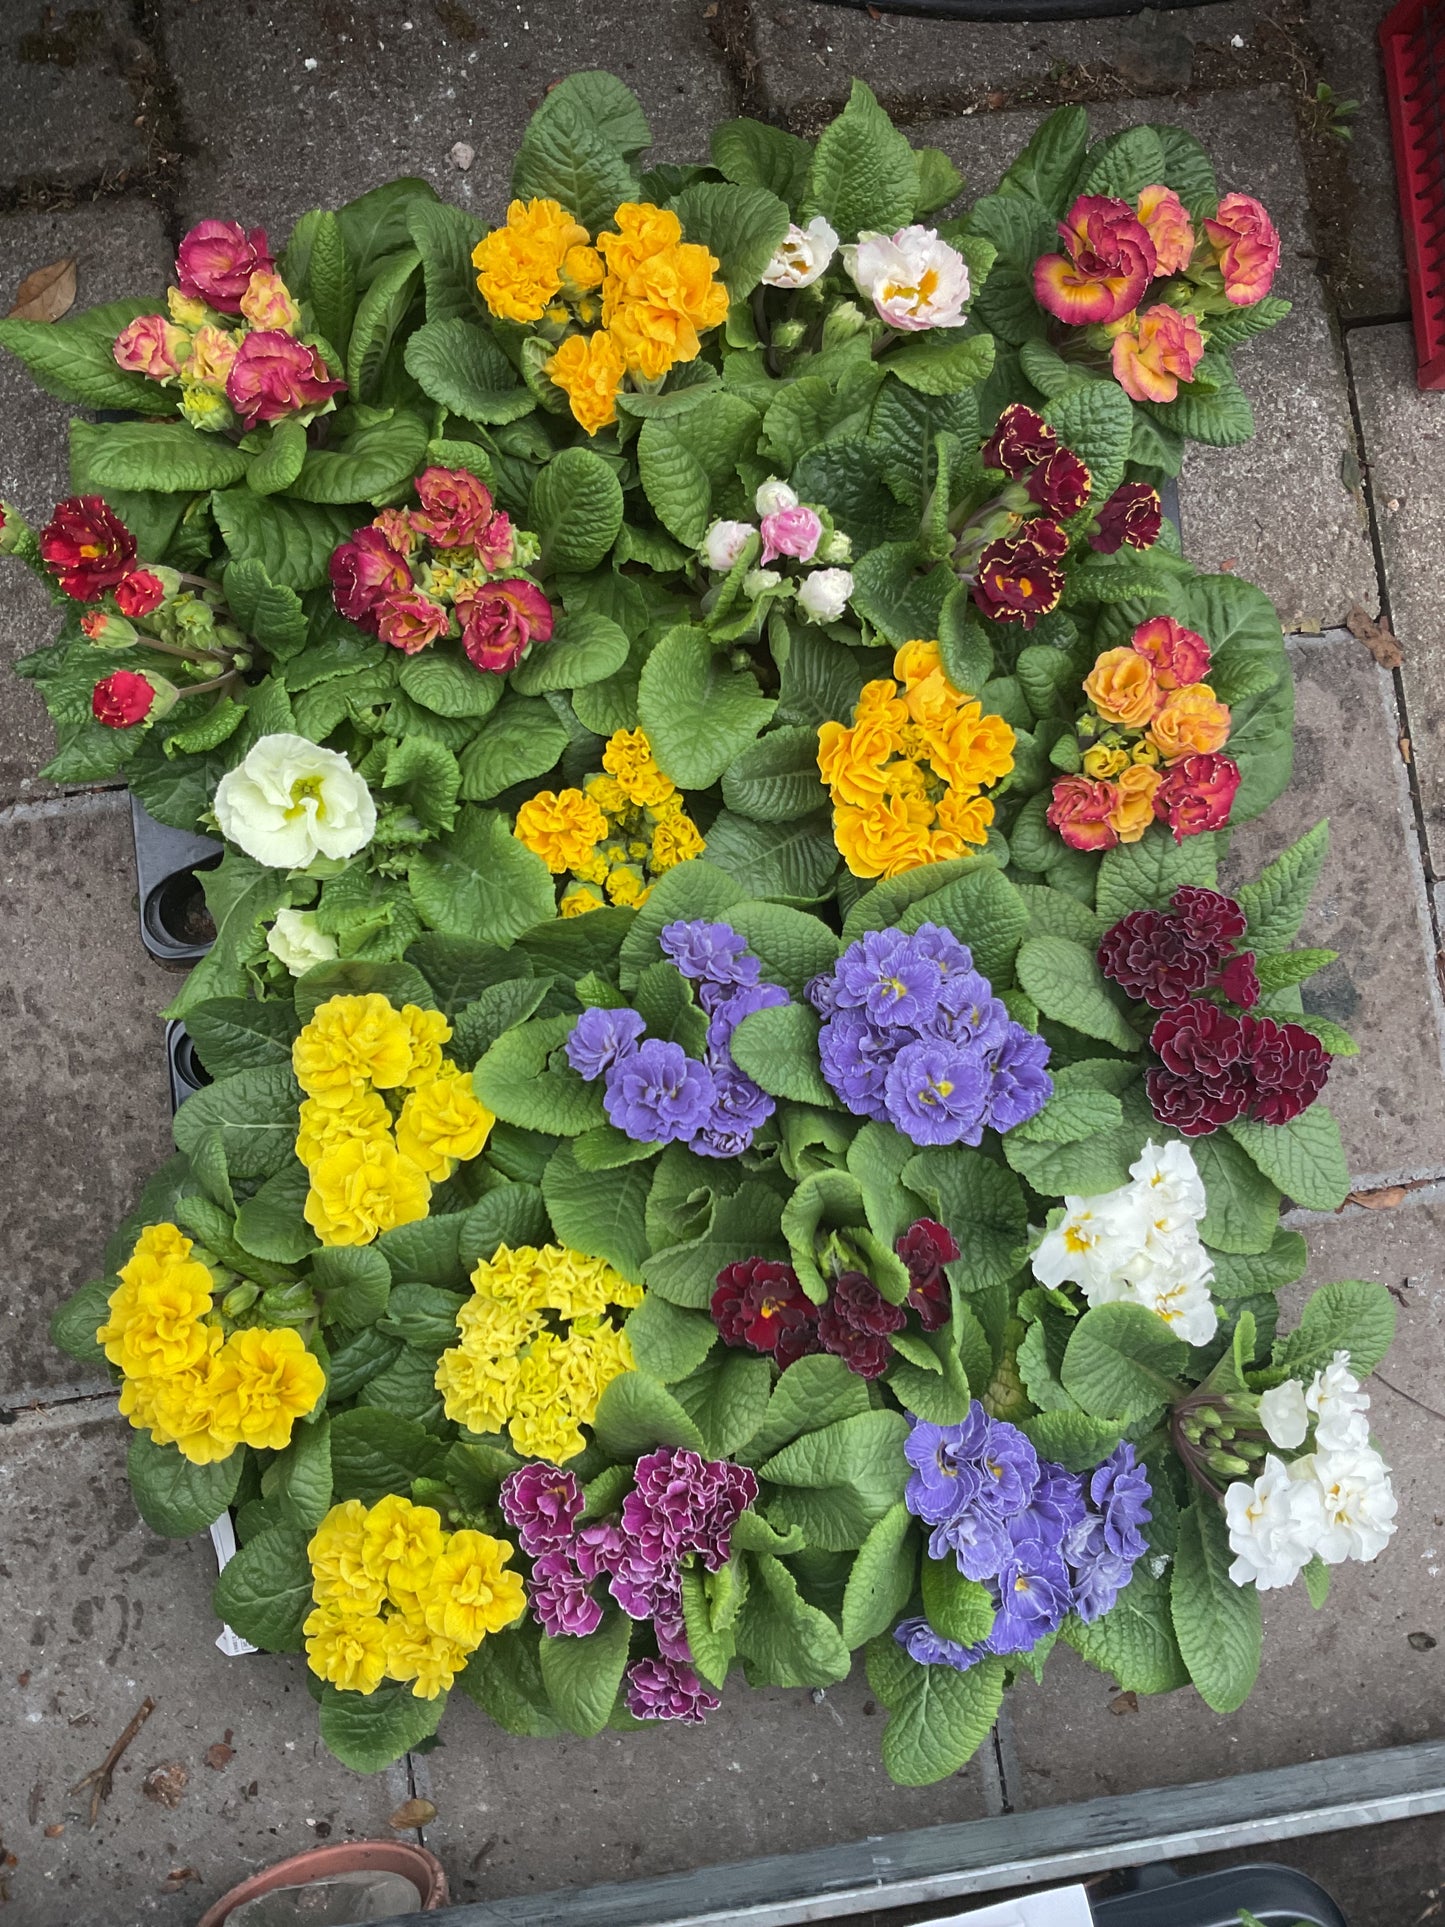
290,801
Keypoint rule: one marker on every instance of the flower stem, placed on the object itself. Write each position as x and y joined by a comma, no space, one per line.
216,655
216,682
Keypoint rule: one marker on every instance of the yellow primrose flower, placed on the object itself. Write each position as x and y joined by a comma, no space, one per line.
428,1030
477,1387
579,898
472,1593
164,1329
443,1124
607,793
1102,763
359,1188
265,1381
185,310
400,1543
589,369
347,1652
427,1658
350,1041
339,1575
563,827
361,1114
628,757
520,266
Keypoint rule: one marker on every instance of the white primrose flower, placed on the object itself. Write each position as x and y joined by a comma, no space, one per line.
1339,1407
1089,1247
1274,1525
802,255
1284,1415
773,496
724,543
1358,1502
1171,1179
914,280
290,801
1178,1292
823,595
298,941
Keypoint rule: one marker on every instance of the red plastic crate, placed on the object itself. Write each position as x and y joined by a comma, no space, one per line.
1412,39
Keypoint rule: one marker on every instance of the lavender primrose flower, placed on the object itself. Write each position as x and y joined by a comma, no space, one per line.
658,1093
602,1038
885,975
1019,1085
727,1015
969,1013
856,1057
541,1504
977,1541
1034,1590
935,1094
710,952
1120,1490
921,1642
668,1689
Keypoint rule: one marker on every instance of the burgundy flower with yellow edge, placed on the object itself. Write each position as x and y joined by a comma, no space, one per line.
1107,263
275,375
1246,246
1178,656
1155,352
87,547
1197,794
1132,517
503,620
1080,811
1020,440
1060,484
1018,580
365,572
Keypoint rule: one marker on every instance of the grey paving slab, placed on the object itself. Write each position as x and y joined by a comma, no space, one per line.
1367,272
1274,511
121,248
341,97
85,1118
1369,905
809,54
96,1615
1338,1681
67,112
1405,448
771,1772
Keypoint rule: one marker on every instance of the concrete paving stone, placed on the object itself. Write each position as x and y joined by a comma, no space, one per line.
1368,270
341,97
1339,1681
96,1615
771,1772
1404,434
121,248
1369,905
86,1117
67,112
809,54
1274,511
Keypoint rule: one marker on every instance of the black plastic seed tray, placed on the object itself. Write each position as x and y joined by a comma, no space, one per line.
1277,1896
187,1073
175,925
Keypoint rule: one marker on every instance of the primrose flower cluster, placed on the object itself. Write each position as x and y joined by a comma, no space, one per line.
398,1597
1042,1541
538,1347
1144,283
907,777
913,278
231,340
788,530
760,1306
1215,1064
681,1510
1012,550
1151,741
1139,1245
913,1036
653,294
1334,1502
385,1116
653,1090
617,834
452,567
186,1380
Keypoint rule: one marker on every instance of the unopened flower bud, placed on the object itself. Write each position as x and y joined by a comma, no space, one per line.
13,529
107,632
206,409
1228,1464
774,496
843,322
757,582
788,334
823,595
288,1304
239,1299
835,547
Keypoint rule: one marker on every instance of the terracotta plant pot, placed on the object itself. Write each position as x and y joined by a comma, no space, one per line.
415,1864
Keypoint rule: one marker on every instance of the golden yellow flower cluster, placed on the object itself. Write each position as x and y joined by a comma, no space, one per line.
188,1384
397,1597
538,1348
385,1116
907,777
616,834
653,292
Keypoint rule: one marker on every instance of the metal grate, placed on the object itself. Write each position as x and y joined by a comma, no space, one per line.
1412,39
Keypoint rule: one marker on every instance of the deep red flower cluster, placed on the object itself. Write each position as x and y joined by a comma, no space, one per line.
1215,1064
1132,517
760,1304
1163,957
86,547
1019,578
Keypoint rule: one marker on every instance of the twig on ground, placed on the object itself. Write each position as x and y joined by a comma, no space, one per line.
99,1778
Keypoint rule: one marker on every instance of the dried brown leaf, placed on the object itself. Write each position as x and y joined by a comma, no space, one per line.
54,1831
166,1783
1124,1703
177,1878
412,1813
1376,636
219,1755
46,294
1385,1199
